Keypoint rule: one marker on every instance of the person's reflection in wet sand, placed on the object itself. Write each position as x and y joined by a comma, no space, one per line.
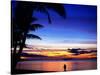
64,67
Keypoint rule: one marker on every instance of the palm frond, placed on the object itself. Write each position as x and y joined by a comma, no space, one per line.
34,19
33,27
30,36
58,8
42,9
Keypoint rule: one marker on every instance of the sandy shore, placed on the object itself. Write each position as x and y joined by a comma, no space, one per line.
29,71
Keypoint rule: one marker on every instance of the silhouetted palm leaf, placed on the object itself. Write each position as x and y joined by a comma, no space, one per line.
30,36
43,7
44,10
58,8
33,27
33,19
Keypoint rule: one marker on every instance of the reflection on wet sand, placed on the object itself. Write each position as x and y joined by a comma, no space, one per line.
57,65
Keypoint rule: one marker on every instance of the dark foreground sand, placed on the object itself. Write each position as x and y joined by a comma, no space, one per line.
29,72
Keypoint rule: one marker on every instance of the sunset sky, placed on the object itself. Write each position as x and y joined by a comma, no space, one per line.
77,30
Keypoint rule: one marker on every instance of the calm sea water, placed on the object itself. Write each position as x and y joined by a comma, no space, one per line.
58,65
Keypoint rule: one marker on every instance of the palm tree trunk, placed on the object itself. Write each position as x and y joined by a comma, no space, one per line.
13,58
21,46
18,55
13,63
23,42
15,48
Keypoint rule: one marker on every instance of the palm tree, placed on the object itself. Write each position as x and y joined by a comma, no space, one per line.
17,38
23,18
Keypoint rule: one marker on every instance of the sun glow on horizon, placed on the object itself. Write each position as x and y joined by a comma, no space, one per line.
63,54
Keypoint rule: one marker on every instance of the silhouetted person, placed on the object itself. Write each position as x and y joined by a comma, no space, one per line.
64,67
